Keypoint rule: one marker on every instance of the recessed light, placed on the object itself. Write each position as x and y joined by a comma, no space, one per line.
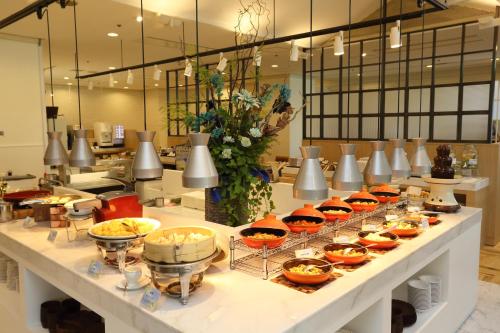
156,84
115,82
358,74
138,18
125,87
181,85
69,84
429,66
274,66
111,67
363,54
223,73
66,78
113,34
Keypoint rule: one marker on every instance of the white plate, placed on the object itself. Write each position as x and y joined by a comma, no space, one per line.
156,224
142,283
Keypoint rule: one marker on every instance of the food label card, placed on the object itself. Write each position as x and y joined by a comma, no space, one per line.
391,217
95,268
150,298
425,223
52,236
304,253
341,239
414,190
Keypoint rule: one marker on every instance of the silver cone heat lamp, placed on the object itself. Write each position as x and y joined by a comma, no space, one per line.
310,183
55,154
81,154
147,164
399,163
347,176
200,171
420,162
378,171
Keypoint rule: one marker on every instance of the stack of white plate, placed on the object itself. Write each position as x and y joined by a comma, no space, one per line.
435,282
419,295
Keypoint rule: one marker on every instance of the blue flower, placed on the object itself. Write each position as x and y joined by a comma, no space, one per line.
217,132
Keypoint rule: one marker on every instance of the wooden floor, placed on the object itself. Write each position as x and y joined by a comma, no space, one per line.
489,264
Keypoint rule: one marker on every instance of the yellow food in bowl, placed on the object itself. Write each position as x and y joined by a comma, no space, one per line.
122,227
306,270
263,236
368,203
175,238
376,238
400,225
302,223
341,253
335,212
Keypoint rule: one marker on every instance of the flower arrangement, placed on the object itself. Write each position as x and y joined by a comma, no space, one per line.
241,132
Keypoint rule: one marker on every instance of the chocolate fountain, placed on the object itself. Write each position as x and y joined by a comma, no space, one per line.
442,182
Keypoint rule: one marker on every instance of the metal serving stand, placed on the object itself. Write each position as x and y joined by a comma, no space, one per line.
179,280
268,262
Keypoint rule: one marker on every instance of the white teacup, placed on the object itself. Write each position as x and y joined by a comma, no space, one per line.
133,275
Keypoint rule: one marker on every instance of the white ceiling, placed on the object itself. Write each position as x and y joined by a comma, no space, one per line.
163,31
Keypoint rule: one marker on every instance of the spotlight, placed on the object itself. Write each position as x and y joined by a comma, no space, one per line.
113,34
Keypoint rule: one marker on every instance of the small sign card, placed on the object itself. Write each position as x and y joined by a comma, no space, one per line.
52,235
341,239
304,253
95,268
425,223
391,217
369,227
414,191
150,298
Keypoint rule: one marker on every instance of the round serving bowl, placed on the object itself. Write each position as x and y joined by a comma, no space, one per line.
299,224
299,278
344,210
270,221
403,232
308,210
362,201
255,243
345,259
385,193
389,244
160,245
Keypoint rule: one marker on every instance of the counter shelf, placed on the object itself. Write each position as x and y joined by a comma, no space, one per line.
267,262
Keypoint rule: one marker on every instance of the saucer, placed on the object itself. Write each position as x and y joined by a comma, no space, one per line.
143,282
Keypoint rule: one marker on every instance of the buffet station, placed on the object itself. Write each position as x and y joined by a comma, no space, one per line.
371,262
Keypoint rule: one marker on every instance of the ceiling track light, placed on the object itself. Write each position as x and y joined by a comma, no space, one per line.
221,66
188,70
338,44
395,36
157,73
294,51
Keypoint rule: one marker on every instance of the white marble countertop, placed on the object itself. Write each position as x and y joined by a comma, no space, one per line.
228,301
467,184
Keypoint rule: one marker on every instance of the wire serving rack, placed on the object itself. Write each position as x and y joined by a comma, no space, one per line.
268,262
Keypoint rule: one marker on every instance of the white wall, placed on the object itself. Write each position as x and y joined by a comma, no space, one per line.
22,107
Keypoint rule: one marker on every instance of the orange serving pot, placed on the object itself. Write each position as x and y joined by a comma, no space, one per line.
270,221
384,193
308,210
315,224
405,232
259,243
393,242
362,196
335,203
346,260
307,279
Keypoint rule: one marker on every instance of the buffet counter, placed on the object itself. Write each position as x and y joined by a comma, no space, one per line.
233,301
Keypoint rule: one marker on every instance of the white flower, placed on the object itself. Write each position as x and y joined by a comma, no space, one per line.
255,132
226,153
245,142
227,139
